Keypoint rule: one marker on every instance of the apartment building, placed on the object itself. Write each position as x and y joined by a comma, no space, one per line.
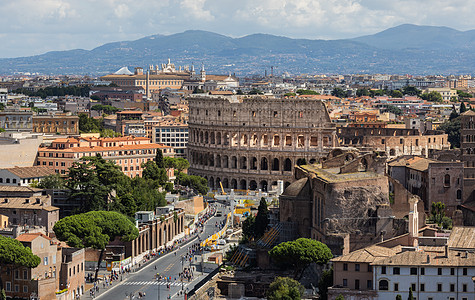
172,134
60,124
127,152
12,120
24,176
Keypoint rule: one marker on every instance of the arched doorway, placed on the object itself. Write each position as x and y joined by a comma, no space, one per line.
263,185
234,184
264,163
243,184
287,164
275,165
253,185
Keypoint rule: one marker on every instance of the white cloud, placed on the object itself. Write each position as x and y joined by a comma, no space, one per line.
35,26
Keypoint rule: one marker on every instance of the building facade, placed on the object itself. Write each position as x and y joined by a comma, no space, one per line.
173,135
24,176
251,142
127,152
58,124
16,120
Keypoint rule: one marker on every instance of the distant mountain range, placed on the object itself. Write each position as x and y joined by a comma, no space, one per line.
405,49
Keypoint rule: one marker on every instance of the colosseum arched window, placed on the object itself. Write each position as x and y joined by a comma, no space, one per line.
206,137
243,162
225,161
275,164
218,138
212,140
276,140
233,162
263,185
234,140
288,140
252,185
243,139
300,141
264,164
226,139
254,140
264,140
234,184
287,164
218,161
313,141
225,183
253,165
243,184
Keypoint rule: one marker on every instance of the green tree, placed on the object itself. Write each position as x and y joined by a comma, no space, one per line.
87,124
462,108
432,96
153,172
410,297
452,128
95,229
95,97
14,254
393,109
297,255
437,215
398,297
306,92
262,219
159,159
52,182
109,133
326,281
463,95
290,94
362,92
181,164
93,181
340,297
248,228
199,184
3,296
396,94
255,91
285,288
339,92
411,91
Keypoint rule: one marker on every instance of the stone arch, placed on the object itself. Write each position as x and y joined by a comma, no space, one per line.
275,164
363,165
383,285
225,161
225,183
253,164
218,183
169,233
243,184
276,140
263,185
165,240
218,138
206,137
226,139
312,160
244,139
233,162
211,159
254,140
234,184
243,162
234,140
201,137
211,183
212,138
287,164
218,161
252,185
264,140
264,164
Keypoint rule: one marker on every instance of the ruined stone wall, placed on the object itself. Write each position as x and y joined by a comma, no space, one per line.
251,142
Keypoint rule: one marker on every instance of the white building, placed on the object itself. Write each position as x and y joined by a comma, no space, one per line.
24,176
174,135
432,272
3,96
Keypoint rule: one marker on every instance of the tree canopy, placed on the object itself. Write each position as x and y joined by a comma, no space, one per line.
76,90
12,252
199,184
325,281
95,229
437,215
298,254
339,92
393,109
306,92
432,96
262,218
285,288
108,109
452,128
54,181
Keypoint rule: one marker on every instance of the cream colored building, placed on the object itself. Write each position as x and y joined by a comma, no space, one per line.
446,93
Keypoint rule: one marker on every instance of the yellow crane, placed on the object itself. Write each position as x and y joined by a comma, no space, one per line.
222,189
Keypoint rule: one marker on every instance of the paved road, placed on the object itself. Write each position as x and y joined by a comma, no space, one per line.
168,265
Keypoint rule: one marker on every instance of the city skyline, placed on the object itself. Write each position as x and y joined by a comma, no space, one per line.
36,27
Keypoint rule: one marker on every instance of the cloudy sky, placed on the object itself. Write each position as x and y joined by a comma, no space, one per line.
29,27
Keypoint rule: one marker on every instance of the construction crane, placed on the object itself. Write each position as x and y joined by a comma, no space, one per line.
222,189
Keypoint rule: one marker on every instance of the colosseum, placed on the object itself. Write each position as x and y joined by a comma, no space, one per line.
251,142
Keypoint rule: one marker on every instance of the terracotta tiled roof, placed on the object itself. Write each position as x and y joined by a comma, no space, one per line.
462,238
21,203
31,172
28,237
14,188
367,255
418,258
100,148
